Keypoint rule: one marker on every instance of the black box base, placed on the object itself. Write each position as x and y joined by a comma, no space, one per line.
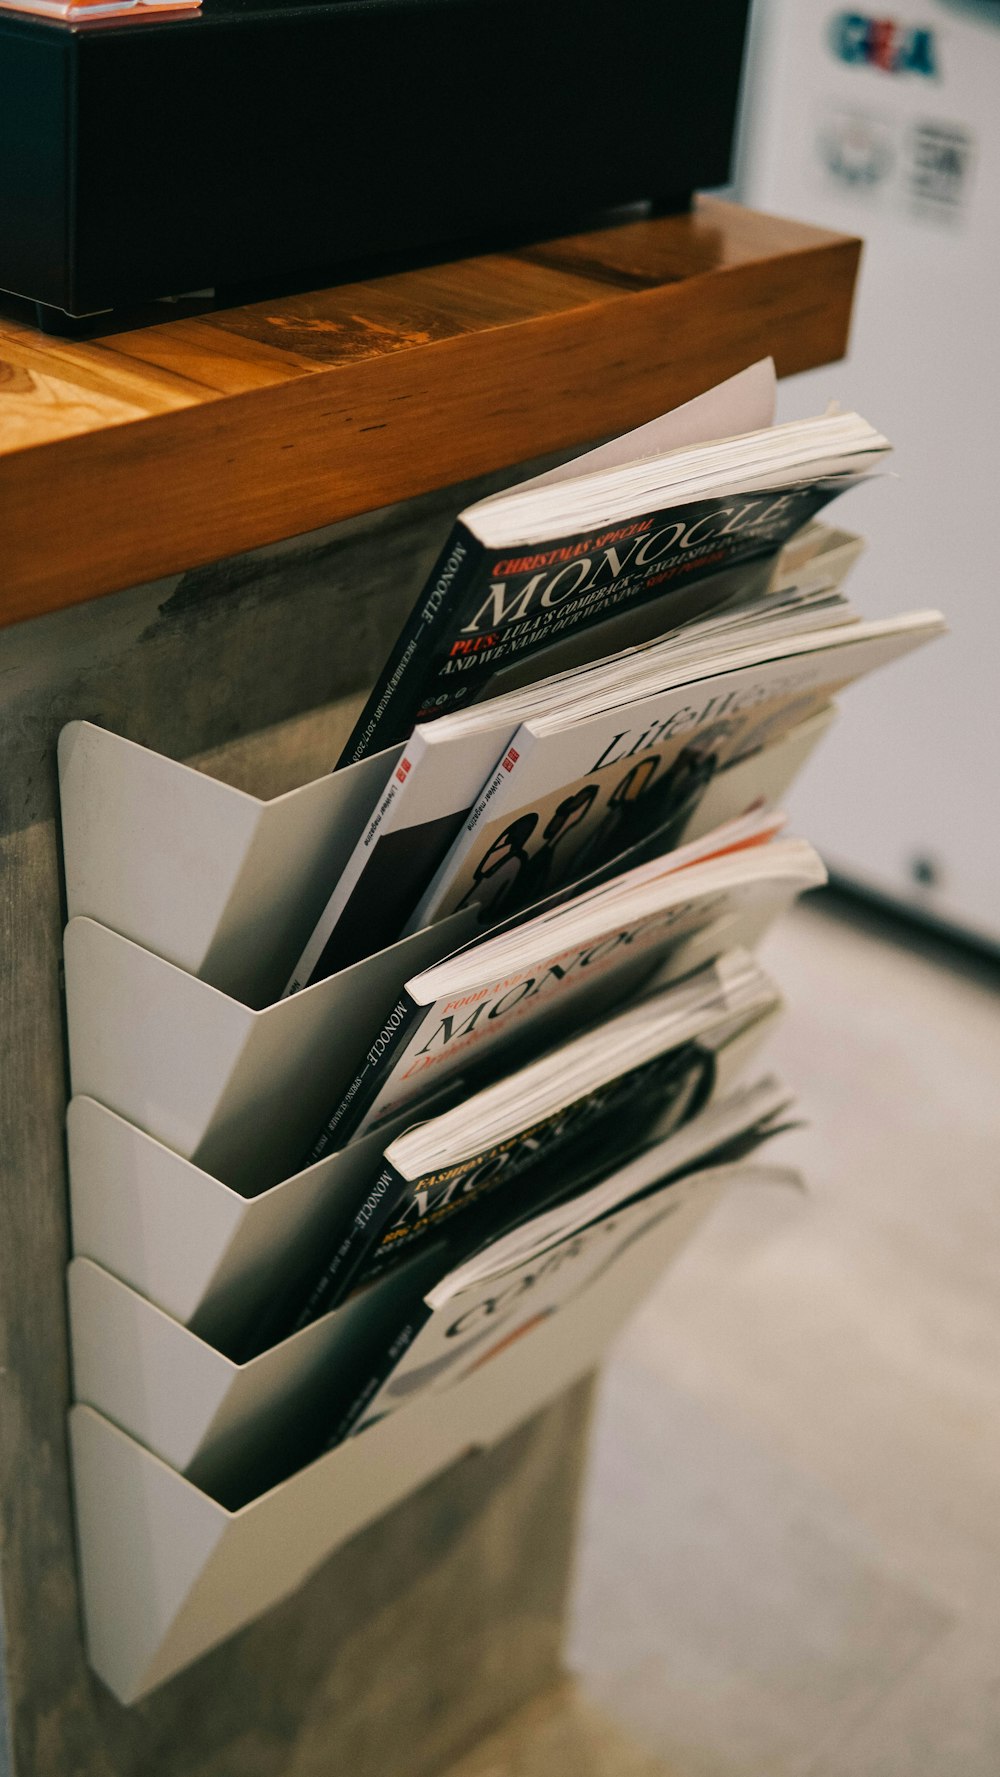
255,142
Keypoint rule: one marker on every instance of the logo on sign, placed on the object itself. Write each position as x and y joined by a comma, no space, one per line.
857,150
883,43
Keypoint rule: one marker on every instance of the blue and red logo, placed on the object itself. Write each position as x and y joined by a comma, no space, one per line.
883,43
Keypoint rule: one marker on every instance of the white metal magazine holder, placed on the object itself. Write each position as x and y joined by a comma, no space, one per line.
189,902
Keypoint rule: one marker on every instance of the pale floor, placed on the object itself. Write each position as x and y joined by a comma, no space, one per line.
559,1735
791,1553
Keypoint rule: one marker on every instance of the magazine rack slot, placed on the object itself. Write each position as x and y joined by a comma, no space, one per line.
231,1428
228,886
220,882
205,1254
168,1572
241,1093
199,1250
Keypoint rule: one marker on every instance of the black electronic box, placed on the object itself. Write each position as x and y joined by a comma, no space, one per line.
259,143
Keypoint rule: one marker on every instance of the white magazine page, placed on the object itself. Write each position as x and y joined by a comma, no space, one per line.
748,1109
743,403
470,1330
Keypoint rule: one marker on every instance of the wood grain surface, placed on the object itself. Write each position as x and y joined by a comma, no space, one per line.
155,449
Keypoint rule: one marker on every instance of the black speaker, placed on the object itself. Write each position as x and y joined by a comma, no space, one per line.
259,141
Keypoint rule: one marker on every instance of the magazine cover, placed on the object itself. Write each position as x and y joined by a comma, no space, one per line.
659,514
456,823
457,1020
656,1057
399,1211
565,797
514,1283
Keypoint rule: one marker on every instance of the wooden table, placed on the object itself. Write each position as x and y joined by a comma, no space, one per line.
147,451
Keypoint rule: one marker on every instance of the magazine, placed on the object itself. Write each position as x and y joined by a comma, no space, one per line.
586,953
514,1283
654,1058
664,513
433,797
80,11
573,785
819,553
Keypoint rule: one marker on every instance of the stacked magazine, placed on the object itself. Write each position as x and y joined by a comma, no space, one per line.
78,12
517,1280
587,723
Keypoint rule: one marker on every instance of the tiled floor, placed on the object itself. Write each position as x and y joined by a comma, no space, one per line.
791,1556
560,1735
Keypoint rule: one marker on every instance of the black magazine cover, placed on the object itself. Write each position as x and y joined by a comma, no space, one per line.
429,1042
398,1213
481,612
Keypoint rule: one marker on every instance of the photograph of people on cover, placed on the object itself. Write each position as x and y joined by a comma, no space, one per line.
506,879
607,813
649,800
498,870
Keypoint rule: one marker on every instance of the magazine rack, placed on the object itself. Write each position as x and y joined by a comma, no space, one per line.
187,1106
139,466
168,1571
172,1188
169,1278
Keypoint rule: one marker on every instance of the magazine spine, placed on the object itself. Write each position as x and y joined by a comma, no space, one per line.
377,1067
391,711
380,1204
429,907
389,1360
309,968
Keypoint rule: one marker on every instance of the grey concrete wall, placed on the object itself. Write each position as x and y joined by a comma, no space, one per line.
447,1614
